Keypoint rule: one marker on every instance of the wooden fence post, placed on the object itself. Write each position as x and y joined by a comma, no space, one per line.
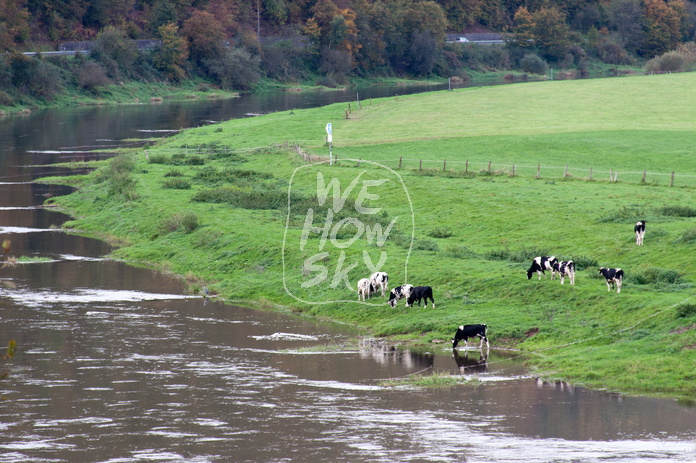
590,173
466,167
644,176
420,167
513,169
671,183
611,175
400,159
565,174
444,165
359,159
346,114
538,170
489,166
350,110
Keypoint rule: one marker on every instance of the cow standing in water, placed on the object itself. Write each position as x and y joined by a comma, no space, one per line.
640,232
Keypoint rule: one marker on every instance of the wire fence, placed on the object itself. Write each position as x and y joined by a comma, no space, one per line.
452,168
464,168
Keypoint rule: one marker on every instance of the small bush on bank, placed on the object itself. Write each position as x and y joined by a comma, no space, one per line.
534,64
671,61
676,211
188,221
118,176
92,76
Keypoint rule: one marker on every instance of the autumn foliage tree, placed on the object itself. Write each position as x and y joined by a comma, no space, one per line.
170,59
662,25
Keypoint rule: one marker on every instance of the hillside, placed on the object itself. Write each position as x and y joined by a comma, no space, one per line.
227,206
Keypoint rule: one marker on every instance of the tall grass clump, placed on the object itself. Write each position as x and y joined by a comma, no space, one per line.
524,254
688,236
625,214
118,176
654,275
187,221
177,183
676,211
686,311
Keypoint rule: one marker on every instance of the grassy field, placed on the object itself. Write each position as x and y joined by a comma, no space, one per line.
226,206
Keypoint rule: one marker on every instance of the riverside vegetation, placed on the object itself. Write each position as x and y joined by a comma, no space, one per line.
211,204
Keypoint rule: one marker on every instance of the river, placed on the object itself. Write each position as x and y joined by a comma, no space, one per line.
118,364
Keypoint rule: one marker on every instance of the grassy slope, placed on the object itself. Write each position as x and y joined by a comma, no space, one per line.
629,124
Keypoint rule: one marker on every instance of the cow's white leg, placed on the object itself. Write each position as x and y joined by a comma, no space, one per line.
608,286
562,278
618,285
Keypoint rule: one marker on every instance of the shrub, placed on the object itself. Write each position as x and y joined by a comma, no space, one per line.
157,158
612,53
92,75
440,233
669,62
625,214
174,173
521,255
118,176
654,275
6,99
182,159
676,211
426,245
188,221
534,64
458,252
686,310
236,68
687,236
117,53
177,183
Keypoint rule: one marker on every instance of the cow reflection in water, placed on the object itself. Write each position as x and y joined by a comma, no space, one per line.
385,353
468,365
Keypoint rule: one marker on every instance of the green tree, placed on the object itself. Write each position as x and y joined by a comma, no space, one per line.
171,57
551,32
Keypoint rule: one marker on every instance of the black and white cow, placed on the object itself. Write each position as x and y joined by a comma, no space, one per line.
470,331
400,292
364,289
565,268
540,265
613,276
379,281
418,293
640,232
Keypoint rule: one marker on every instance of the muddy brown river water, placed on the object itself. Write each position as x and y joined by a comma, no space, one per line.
117,364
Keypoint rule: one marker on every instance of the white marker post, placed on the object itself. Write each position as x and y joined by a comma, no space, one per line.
329,139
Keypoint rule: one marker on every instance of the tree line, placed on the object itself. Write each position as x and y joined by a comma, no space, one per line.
235,44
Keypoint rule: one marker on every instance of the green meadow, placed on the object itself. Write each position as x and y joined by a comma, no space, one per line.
225,206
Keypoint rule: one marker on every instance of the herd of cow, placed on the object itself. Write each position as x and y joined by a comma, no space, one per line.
614,276
379,282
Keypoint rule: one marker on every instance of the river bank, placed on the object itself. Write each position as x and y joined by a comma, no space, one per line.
211,204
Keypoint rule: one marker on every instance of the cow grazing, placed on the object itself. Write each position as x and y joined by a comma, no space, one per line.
418,293
640,232
540,265
379,280
565,268
364,289
400,292
614,276
470,331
